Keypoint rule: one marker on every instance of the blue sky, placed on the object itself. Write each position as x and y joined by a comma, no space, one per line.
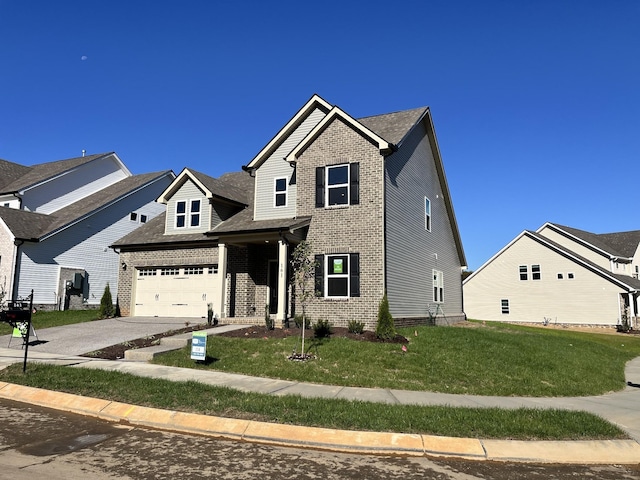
536,104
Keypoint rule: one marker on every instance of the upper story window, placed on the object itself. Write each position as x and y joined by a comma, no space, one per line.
524,275
188,211
427,214
535,272
280,192
338,185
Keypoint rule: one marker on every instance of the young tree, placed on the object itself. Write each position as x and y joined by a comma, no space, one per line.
106,303
303,265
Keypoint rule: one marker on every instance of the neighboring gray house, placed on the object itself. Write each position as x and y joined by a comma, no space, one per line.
57,220
371,197
561,275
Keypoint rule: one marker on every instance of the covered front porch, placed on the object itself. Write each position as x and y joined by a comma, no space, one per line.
254,276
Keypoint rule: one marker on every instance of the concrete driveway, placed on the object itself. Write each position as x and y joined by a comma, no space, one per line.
86,337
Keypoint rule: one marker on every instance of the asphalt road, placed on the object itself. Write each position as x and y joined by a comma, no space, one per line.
37,442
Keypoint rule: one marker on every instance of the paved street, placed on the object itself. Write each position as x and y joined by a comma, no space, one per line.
36,442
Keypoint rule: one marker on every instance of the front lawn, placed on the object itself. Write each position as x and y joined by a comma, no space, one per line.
521,424
491,359
43,319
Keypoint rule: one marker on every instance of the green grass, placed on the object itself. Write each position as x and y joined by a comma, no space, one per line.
491,359
43,319
522,424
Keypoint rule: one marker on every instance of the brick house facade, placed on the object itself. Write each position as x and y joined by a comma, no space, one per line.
324,178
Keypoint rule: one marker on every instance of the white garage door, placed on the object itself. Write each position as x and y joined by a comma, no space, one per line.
174,291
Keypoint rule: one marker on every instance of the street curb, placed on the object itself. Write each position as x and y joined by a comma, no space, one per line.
379,443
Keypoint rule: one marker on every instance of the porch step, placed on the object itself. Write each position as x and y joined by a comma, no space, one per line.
176,342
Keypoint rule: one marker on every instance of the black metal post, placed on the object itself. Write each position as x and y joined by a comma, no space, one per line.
26,345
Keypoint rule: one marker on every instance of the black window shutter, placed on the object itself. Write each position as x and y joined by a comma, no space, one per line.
319,276
319,187
354,276
354,174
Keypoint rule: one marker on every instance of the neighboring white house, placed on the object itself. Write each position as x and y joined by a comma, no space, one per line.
57,220
559,274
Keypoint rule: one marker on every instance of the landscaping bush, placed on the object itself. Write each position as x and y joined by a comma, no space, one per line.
106,304
322,328
356,326
385,329
268,321
298,321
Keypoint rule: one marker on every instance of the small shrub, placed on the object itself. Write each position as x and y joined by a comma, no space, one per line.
385,329
356,326
298,321
322,328
268,321
106,303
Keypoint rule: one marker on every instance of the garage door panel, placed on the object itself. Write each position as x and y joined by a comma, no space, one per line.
175,294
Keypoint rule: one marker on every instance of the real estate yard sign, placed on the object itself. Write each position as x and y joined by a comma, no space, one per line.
199,346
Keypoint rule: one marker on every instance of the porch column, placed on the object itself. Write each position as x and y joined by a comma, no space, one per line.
632,310
219,307
283,249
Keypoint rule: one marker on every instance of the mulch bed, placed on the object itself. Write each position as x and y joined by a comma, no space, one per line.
337,332
116,352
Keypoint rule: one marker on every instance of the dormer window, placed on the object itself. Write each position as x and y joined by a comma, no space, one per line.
280,199
187,210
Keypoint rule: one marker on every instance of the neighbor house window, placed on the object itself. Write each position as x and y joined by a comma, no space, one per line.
187,210
280,192
570,276
338,276
213,269
133,217
560,276
143,219
535,272
147,272
438,286
504,305
523,272
338,185
427,214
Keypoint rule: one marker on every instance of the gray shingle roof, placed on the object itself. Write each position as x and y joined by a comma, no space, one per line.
393,127
10,172
619,244
30,225
229,188
40,172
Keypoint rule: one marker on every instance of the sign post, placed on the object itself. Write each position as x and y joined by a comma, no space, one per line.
199,346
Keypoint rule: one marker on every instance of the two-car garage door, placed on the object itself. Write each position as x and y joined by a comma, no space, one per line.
174,291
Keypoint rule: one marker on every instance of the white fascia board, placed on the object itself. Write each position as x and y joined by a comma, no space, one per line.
307,108
336,112
178,182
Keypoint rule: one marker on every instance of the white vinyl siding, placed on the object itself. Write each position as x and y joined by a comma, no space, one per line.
188,193
85,246
412,252
74,185
576,247
276,167
585,299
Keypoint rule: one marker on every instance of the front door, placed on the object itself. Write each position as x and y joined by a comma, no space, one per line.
273,286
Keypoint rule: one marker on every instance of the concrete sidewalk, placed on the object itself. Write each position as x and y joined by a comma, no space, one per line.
620,408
